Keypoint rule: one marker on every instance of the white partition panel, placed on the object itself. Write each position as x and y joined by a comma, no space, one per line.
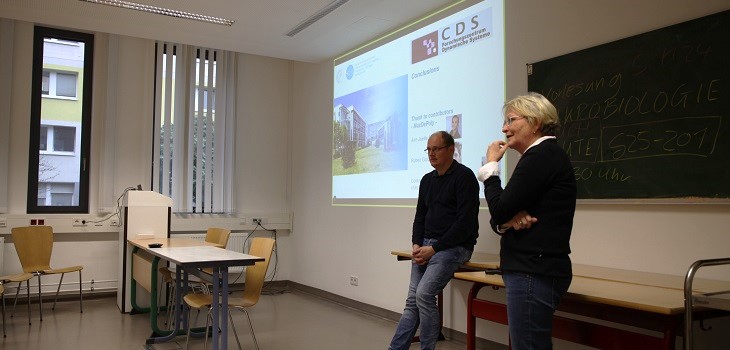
146,215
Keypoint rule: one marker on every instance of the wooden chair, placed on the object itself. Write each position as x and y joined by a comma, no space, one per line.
218,236
20,278
255,276
34,245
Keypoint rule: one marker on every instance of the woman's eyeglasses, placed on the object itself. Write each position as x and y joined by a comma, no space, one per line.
510,120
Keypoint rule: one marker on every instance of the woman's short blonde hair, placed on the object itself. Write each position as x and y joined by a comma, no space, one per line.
535,108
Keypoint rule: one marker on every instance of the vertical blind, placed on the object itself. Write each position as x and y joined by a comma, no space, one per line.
7,28
195,128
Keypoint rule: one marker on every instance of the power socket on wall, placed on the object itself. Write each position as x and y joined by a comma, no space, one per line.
354,281
258,221
37,221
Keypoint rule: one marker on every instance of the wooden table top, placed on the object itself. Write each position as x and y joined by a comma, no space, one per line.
478,261
170,242
488,261
700,285
194,253
653,299
639,296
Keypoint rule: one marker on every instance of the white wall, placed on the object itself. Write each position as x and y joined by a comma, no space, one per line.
336,242
262,175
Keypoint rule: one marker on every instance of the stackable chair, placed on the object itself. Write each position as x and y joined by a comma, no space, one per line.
34,245
218,236
255,276
20,278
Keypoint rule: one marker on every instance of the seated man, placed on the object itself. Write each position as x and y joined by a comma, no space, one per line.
445,231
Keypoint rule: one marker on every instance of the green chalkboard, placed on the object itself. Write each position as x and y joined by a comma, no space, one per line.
646,116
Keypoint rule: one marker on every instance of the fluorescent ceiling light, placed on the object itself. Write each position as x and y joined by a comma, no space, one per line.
163,11
316,17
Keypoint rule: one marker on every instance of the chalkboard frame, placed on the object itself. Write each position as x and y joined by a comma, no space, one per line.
617,53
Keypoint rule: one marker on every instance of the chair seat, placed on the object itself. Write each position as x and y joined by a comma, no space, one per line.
21,277
198,300
240,302
165,273
62,270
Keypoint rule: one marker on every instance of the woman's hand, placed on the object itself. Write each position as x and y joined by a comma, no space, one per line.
521,220
496,150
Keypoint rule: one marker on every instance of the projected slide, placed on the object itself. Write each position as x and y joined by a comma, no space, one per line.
446,75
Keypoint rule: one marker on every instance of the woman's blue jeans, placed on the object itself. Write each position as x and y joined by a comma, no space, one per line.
427,281
531,303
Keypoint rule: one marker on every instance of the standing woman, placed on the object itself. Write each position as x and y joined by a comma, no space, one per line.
534,216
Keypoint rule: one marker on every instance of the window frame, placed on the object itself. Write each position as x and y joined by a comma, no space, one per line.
53,84
34,153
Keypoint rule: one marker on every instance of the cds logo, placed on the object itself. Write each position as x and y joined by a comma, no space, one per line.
459,28
339,75
424,47
348,73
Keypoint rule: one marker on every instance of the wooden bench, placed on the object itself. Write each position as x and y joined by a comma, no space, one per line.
479,261
654,302
650,301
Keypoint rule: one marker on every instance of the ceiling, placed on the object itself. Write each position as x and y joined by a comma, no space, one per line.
260,25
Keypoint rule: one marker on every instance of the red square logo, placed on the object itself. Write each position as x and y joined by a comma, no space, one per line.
425,47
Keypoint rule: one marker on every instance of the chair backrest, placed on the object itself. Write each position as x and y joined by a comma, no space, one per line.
218,236
34,245
255,274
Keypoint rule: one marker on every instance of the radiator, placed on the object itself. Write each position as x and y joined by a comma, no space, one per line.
236,242
2,256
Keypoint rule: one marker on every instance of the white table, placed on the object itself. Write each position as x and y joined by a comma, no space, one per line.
191,255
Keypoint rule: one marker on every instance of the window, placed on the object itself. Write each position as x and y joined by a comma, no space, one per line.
195,112
60,130
58,84
56,194
43,146
61,138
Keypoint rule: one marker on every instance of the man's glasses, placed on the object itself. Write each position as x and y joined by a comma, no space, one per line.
434,150
510,120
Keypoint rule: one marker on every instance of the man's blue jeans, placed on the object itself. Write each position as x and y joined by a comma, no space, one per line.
531,303
426,283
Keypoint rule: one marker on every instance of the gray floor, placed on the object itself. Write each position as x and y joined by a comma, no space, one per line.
294,320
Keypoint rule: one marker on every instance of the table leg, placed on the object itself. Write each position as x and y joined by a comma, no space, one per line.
215,308
161,336
470,318
224,308
136,309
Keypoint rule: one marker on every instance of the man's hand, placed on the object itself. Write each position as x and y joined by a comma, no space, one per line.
421,255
